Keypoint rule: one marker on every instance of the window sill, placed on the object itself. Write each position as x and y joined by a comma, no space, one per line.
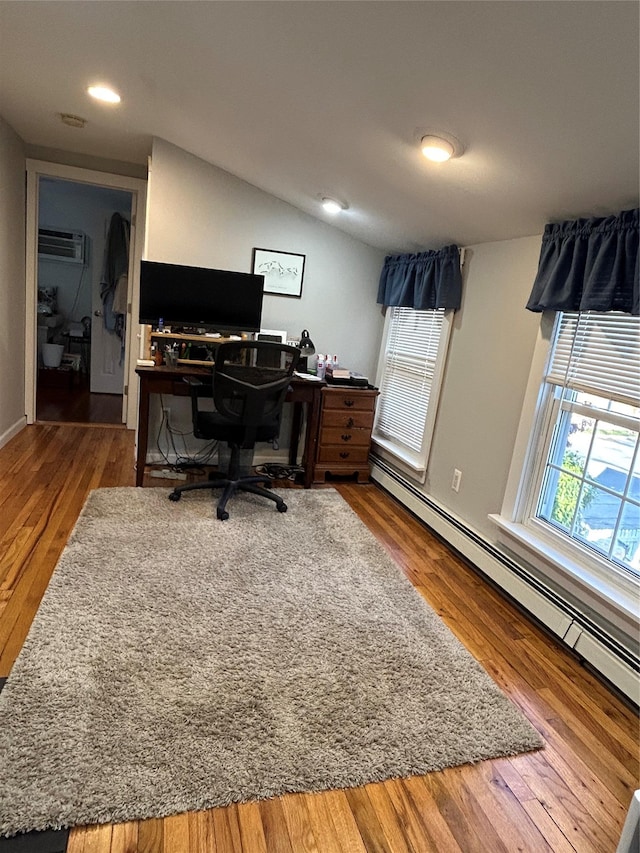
406,462
609,591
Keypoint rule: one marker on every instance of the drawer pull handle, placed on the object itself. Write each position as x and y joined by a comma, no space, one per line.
344,454
346,437
350,423
349,403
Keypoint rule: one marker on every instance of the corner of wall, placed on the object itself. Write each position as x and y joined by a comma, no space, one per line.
12,280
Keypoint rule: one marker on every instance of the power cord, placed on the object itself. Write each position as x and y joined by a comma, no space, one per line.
276,471
184,460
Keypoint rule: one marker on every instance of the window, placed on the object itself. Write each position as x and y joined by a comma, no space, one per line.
409,377
586,484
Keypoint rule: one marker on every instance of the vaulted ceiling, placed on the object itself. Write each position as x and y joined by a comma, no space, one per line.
305,99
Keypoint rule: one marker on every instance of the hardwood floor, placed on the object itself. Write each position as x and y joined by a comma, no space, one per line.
570,796
65,398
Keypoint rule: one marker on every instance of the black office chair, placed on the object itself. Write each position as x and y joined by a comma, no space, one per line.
250,382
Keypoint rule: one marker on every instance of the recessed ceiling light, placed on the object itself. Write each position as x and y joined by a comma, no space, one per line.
437,149
332,206
103,93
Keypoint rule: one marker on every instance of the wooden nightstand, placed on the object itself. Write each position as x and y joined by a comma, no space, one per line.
346,421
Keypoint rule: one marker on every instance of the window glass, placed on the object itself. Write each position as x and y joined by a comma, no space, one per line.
590,477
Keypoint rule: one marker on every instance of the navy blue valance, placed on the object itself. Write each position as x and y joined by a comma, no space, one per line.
589,265
423,281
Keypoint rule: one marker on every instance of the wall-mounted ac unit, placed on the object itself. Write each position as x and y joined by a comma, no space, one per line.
57,245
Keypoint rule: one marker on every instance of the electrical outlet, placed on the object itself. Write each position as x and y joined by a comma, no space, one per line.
456,480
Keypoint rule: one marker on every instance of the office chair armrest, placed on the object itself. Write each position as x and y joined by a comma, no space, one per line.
197,389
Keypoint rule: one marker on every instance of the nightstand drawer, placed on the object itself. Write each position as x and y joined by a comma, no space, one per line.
334,398
347,455
341,436
347,419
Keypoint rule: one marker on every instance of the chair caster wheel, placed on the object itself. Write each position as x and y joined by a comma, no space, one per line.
175,496
281,507
222,514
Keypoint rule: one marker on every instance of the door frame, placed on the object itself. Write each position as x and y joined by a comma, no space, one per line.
37,169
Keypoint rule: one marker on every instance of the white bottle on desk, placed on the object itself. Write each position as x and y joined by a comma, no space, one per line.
321,366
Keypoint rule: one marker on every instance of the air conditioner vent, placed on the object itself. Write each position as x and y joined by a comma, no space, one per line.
56,245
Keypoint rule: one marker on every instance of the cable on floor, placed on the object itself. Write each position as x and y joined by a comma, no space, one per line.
277,471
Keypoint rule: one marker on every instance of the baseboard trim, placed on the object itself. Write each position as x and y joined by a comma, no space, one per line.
603,651
8,434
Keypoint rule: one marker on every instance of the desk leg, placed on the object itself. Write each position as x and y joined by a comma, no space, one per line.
311,438
143,431
294,439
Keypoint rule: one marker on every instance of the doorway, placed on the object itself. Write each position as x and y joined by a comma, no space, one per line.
83,257
80,342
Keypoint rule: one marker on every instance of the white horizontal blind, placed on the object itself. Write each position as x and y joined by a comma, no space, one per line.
598,354
408,374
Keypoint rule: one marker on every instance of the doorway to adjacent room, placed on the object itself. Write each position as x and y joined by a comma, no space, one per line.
83,249
83,254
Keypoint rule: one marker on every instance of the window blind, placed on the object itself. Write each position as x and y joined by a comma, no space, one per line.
407,375
598,354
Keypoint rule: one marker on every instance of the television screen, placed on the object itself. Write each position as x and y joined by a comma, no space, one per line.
218,300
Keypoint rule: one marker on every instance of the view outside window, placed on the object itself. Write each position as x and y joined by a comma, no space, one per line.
591,487
590,483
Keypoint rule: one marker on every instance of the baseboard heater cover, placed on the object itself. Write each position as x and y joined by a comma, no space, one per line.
578,631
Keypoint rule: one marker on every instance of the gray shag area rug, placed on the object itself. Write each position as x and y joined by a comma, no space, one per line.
178,663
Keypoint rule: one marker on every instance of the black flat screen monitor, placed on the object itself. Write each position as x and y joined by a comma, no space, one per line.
217,300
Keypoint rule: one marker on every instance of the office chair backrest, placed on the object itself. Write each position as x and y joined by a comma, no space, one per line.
247,389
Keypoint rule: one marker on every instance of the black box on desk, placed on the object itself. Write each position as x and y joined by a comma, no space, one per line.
347,377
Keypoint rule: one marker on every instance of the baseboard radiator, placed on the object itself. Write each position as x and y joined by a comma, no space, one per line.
613,660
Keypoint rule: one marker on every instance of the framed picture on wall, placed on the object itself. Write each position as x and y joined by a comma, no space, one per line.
283,271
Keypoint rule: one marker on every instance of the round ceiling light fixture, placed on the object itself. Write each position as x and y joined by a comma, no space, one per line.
436,149
104,93
439,146
332,206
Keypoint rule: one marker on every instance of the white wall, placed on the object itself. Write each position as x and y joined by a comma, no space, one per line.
200,215
490,354
486,372
12,277
203,216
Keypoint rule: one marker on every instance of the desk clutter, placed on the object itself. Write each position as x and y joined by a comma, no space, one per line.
173,348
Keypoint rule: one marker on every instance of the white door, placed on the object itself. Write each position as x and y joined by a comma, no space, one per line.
107,328
107,351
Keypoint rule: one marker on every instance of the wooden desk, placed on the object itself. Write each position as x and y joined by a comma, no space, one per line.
169,380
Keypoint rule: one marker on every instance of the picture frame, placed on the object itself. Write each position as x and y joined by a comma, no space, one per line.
283,271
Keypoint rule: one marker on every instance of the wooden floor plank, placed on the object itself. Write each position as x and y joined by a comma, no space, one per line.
569,798
251,828
299,827
175,834
276,832
124,838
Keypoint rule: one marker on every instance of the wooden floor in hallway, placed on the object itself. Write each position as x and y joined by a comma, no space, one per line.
65,397
570,797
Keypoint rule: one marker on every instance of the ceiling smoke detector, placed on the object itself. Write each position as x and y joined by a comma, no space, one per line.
72,121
